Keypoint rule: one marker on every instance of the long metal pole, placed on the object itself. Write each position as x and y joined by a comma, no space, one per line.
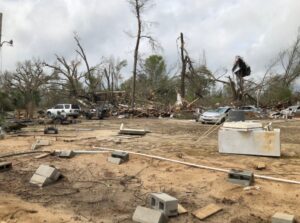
0,28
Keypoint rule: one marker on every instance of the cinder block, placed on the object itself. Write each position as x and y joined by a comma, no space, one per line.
245,178
120,154
48,171
283,218
5,166
50,130
39,143
40,180
147,215
66,154
164,203
114,160
45,175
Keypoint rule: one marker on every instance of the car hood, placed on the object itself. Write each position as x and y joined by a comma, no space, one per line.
211,114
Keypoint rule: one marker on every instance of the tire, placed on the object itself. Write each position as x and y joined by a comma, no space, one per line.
203,122
49,114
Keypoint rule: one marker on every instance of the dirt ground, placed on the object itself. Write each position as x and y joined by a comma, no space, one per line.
93,190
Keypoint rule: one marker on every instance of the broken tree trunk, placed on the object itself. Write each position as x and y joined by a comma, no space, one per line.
183,69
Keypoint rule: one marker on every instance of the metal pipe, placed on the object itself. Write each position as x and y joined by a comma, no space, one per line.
201,166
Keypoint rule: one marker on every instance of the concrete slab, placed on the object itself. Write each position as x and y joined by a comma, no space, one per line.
5,166
114,160
283,218
132,131
206,211
147,215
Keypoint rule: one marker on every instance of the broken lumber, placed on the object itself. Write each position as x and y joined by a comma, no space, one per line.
206,211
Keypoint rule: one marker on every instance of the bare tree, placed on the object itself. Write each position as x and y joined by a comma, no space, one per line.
138,7
69,76
290,62
28,80
92,80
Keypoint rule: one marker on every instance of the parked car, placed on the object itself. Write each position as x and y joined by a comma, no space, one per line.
72,110
249,108
216,116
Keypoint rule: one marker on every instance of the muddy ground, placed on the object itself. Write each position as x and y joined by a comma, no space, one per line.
93,190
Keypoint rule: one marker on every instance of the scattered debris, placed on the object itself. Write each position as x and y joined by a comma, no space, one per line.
147,215
181,209
39,143
283,218
66,154
5,166
261,166
132,131
50,130
45,175
207,211
165,203
254,138
245,178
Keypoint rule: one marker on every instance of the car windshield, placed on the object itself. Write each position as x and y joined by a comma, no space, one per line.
219,110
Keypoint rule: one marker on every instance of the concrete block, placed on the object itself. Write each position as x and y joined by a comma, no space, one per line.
164,203
40,180
45,175
248,139
147,215
245,178
283,218
66,154
119,154
5,166
39,143
114,160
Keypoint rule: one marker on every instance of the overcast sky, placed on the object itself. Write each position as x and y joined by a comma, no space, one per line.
255,29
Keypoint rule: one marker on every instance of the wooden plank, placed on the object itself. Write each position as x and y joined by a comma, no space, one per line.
181,209
42,156
206,211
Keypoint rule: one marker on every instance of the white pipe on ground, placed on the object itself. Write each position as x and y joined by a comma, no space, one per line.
201,166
